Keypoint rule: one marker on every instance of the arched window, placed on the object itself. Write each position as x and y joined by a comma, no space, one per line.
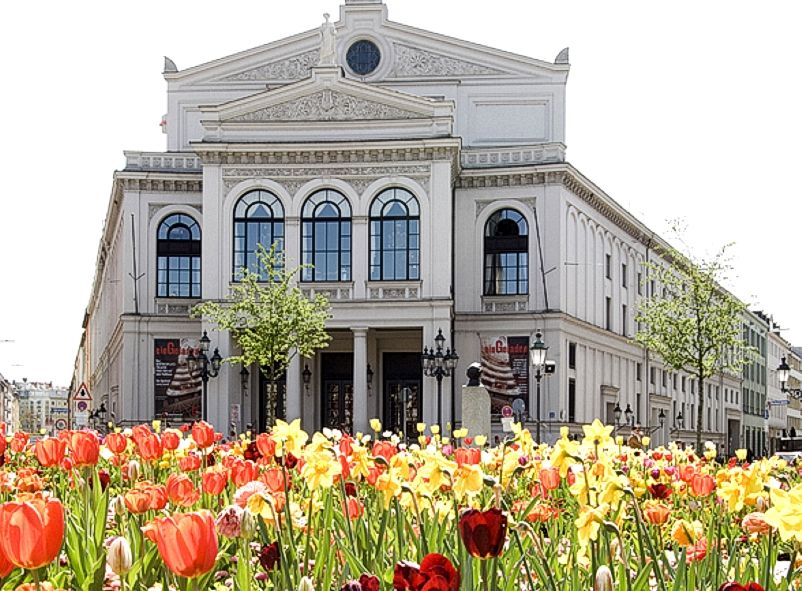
326,239
178,261
394,236
506,254
258,219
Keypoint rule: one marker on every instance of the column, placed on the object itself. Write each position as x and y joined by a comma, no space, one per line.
360,380
294,389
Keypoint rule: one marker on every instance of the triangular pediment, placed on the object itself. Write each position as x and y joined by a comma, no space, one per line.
327,101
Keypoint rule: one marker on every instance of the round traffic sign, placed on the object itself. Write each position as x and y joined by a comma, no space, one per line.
518,405
82,405
506,411
60,424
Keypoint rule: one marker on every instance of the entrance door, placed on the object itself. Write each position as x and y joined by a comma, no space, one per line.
402,387
272,404
338,391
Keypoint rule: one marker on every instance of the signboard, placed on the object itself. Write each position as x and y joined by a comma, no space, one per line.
82,393
505,370
81,419
779,402
177,386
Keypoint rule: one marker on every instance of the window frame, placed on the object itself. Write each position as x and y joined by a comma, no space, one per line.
312,223
172,250
498,246
272,203
378,218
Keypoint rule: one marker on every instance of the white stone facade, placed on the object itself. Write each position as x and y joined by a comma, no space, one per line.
466,130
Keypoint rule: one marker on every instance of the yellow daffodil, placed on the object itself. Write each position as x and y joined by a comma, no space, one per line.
589,522
785,513
290,438
597,435
320,469
686,533
468,480
390,487
376,425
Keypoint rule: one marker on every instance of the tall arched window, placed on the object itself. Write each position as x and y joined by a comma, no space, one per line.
394,236
178,261
326,240
506,254
258,219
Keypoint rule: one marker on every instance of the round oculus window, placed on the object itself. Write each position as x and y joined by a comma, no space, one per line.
363,57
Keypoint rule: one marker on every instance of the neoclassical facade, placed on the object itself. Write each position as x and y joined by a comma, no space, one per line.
425,180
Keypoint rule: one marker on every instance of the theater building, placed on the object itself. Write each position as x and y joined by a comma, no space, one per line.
425,179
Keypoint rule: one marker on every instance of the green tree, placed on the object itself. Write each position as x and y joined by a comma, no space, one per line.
271,320
692,322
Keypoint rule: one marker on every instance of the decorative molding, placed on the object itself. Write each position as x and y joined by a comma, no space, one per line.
394,291
162,161
413,62
481,205
328,105
500,179
162,185
359,154
517,156
292,68
501,304
333,292
154,208
173,309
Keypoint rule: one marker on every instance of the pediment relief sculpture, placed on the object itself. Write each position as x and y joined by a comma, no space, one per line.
296,67
413,62
328,105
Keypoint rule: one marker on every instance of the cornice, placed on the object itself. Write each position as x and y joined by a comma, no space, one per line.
160,183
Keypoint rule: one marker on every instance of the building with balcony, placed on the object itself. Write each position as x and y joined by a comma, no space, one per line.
425,179
42,407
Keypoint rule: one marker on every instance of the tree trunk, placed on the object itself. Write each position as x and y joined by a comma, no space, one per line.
700,414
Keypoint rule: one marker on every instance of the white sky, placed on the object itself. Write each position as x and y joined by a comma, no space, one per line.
676,109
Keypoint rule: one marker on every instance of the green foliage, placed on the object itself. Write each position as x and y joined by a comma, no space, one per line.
269,317
692,323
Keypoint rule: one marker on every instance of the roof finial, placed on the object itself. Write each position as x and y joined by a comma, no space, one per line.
328,43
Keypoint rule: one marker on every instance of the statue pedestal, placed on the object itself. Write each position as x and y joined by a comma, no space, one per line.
476,411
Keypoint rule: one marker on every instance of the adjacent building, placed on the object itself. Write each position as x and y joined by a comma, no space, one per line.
9,405
42,407
424,178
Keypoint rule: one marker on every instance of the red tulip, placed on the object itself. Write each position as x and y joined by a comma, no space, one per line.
31,530
187,542
84,448
269,557
140,431
116,442
483,532
353,508
158,496
275,479
266,445
171,440
181,491
50,451
369,582
468,455
385,449
190,463
19,441
435,573
203,434
6,566
137,500
150,447
550,478
244,471
702,485
660,490
733,586
214,481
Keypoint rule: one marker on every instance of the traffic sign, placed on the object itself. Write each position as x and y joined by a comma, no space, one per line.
506,411
81,419
779,402
60,424
518,405
82,405
82,393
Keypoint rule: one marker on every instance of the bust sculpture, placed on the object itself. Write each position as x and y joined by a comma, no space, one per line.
328,43
474,372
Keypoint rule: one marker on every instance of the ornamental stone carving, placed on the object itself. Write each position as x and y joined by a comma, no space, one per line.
415,62
328,105
293,68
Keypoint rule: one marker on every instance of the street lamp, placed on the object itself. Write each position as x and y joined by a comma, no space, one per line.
538,355
369,376
783,373
209,368
438,364
307,376
679,424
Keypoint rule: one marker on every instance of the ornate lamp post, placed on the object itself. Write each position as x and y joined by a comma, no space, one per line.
438,364
783,373
538,356
209,368
307,376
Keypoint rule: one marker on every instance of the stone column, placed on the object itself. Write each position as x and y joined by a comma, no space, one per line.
294,393
360,379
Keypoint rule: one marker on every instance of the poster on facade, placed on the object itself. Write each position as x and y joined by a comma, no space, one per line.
177,385
505,370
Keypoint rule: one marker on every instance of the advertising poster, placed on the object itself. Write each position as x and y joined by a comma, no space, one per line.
177,385
505,370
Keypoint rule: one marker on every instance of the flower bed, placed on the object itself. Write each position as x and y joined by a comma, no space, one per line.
183,509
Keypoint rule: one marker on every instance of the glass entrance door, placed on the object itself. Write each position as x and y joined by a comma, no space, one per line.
402,386
338,391
272,402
